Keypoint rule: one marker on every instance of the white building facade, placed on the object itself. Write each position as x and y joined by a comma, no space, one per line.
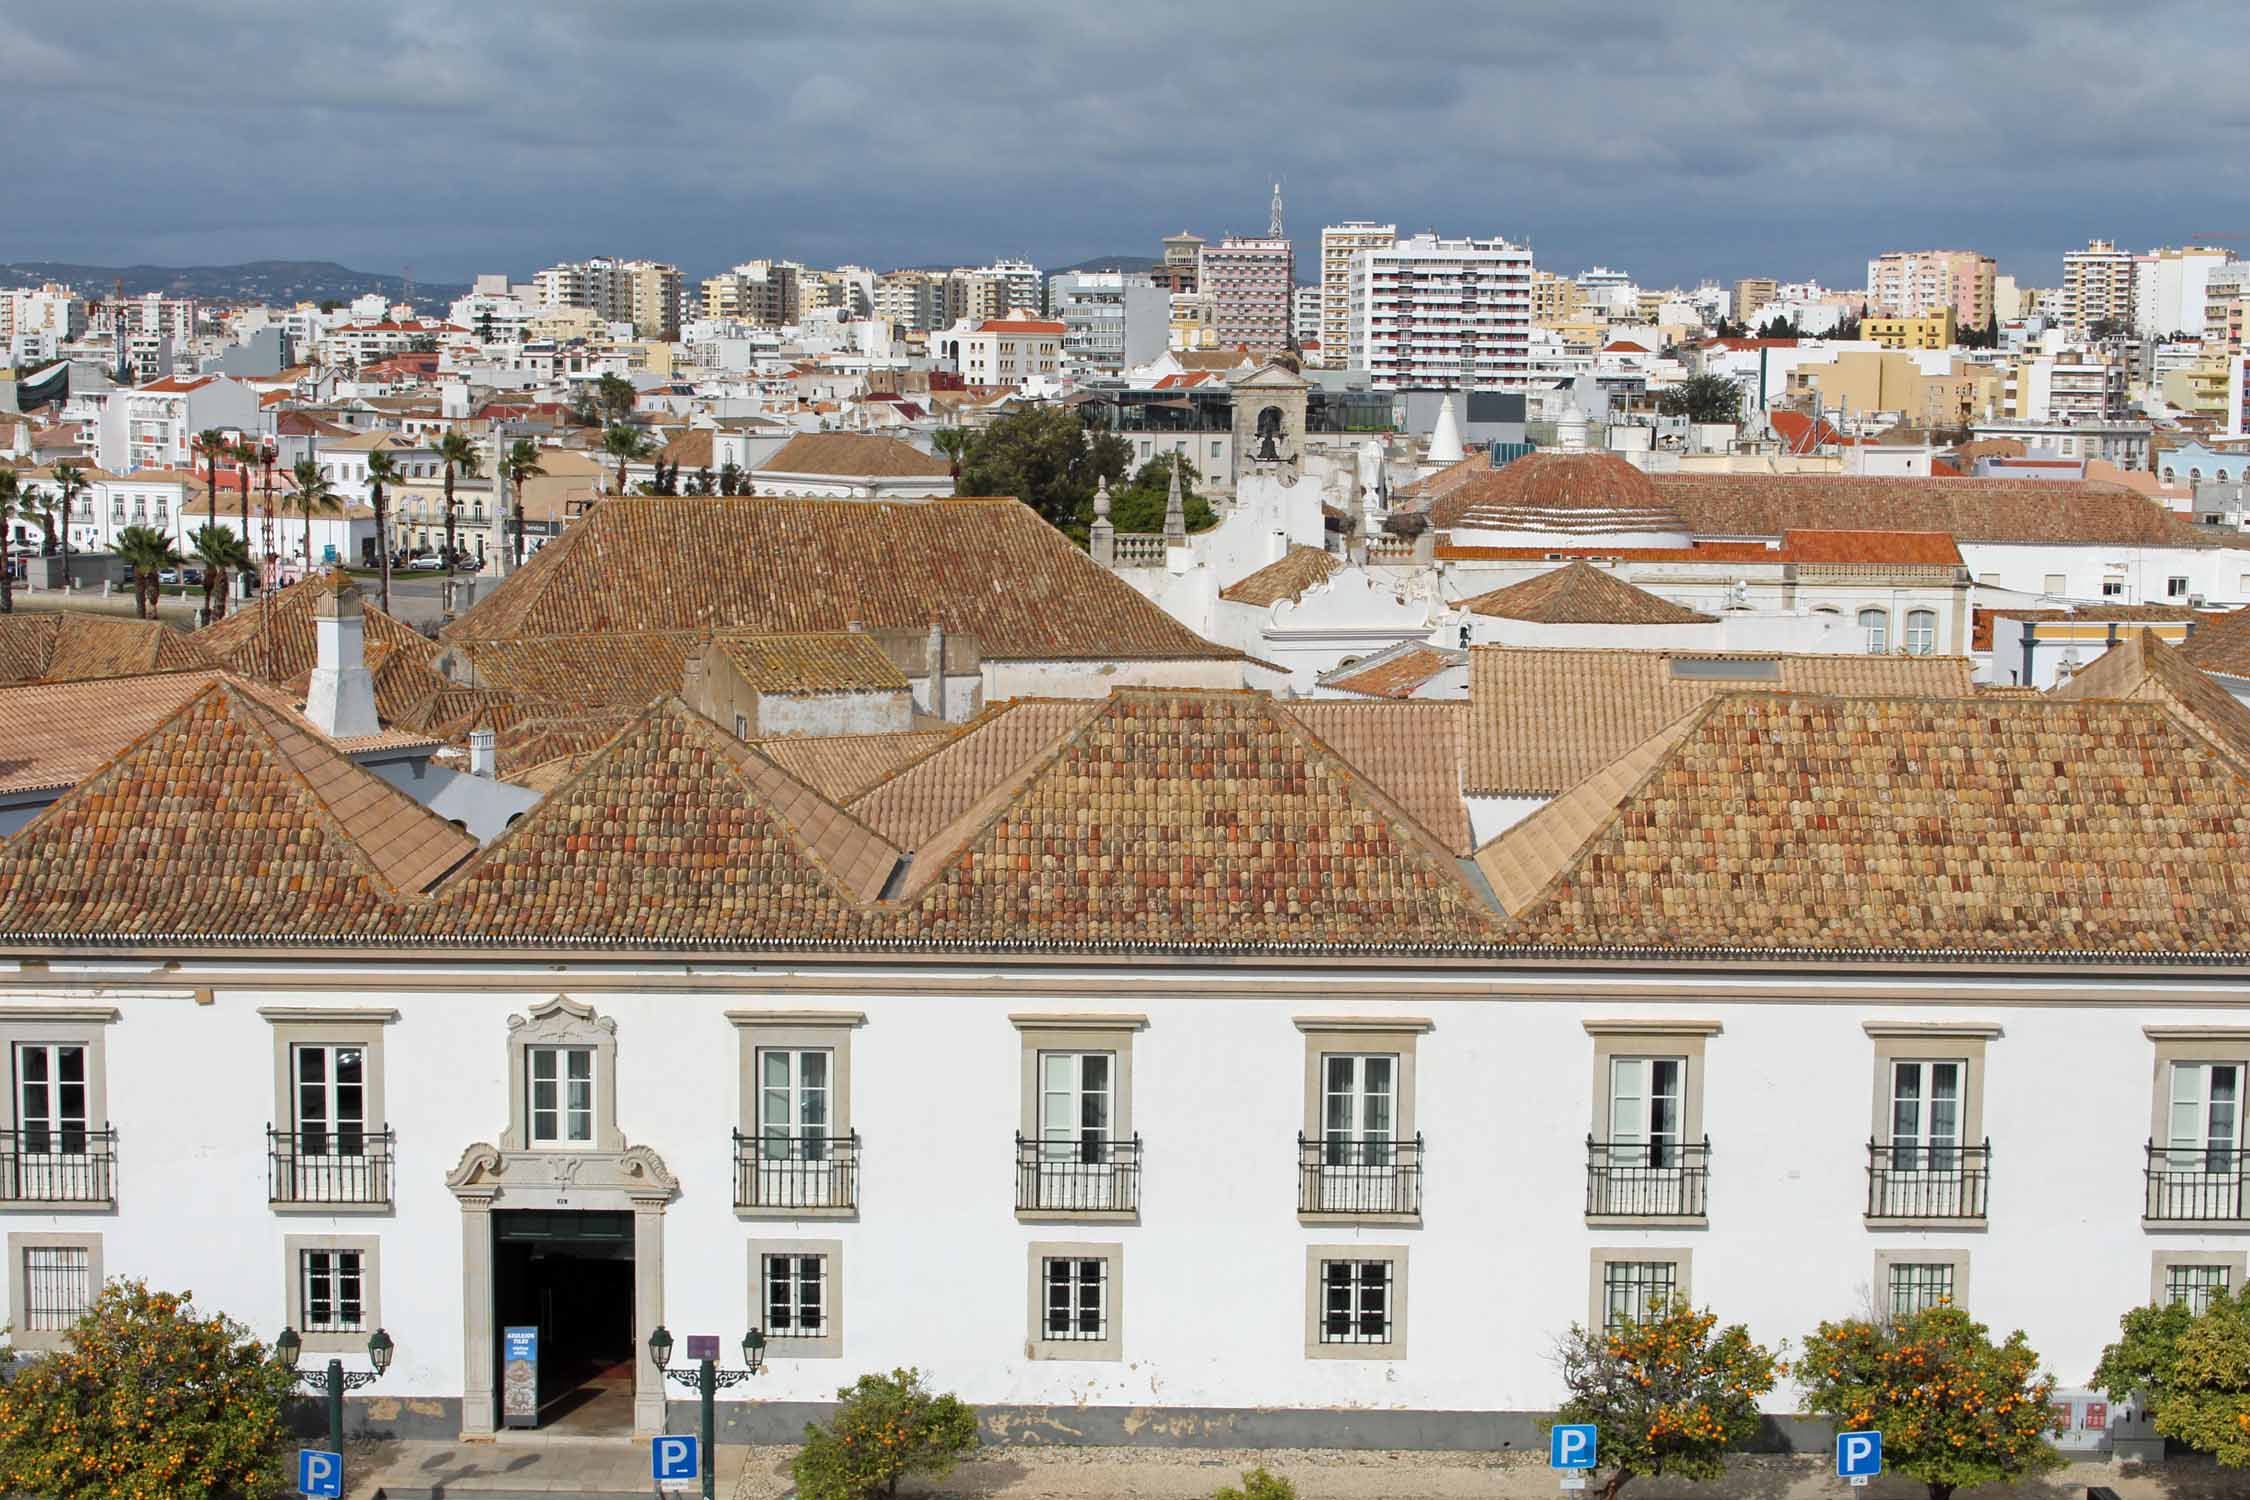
1430,312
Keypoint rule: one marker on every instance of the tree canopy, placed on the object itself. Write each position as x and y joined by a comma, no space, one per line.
1702,398
2193,1370
1668,1395
1046,457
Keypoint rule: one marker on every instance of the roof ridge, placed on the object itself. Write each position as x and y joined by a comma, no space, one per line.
1358,781
739,754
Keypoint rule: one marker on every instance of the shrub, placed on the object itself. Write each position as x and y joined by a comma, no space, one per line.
886,1427
147,1400
1669,1395
2194,1370
1954,1407
1257,1484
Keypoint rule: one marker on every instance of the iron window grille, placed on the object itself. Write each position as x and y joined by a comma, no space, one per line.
1635,1290
2194,1184
1077,1299
1359,1175
1079,1173
58,1286
1918,1287
796,1296
58,1164
2194,1286
334,1300
329,1164
777,1170
1647,1179
1355,1301
1912,1180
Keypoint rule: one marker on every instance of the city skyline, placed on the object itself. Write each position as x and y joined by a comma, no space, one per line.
457,143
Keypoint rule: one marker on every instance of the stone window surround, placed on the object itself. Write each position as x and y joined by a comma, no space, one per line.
1314,1297
85,1024
1880,1294
2237,1263
305,1025
2175,1044
370,1289
1616,1037
90,1241
1037,1345
562,1022
1933,1041
829,1030
829,1345
1680,1258
1070,1031
1361,1036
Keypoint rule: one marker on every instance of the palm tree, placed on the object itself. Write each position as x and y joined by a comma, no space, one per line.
246,453
210,445
382,472
953,442
221,554
147,552
521,463
313,494
70,483
15,505
459,456
626,445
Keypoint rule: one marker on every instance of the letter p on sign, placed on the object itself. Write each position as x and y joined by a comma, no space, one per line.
673,1458
1571,1446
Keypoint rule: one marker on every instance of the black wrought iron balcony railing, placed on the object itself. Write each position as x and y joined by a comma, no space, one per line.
1351,1175
329,1164
2197,1184
1921,1181
819,1172
58,1164
1075,1174
1647,1179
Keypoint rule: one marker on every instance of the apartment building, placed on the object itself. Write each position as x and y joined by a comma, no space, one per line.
911,300
1251,281
648,294
1427,312
1750,294
1002,351
1181,262
2100,285
1934,329
1338,244
52,311
154,426
2171,289
1912,283
2226,297
1112,320
765,293
1554,299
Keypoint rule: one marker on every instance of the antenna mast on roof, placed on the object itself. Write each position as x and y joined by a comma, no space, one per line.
1273,221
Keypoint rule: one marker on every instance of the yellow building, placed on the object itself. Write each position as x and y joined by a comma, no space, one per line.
1863,380
1554,299
1932,330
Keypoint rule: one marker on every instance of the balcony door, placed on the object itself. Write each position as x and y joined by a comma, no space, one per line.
2203,1149
1924,1176
796,1164
329,1147
50,1161
1359,1145
1077,1099
1647,1128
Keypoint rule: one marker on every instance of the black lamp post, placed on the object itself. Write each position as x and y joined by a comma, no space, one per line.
707,1377
335,1380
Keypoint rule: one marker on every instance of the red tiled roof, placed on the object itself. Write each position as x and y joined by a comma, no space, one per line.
1928,547
1020,325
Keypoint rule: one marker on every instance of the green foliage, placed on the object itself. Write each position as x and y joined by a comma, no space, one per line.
147,1400
148,552
614,396
1139,506
2194,1371
1668,1396
221,554
627,445
1954,1407
1045,457
886,1427
1702,398
732,479
1257,1484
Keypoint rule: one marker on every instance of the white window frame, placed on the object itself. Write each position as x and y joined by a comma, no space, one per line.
344,1273
1661,1178
81,1026
1874,630
20,1246
1079,1169
1921,632
296,1248
796,1179
1077,1113
828,1343
1109,1345
1367,1166
1318,1260
563,1023
565,1113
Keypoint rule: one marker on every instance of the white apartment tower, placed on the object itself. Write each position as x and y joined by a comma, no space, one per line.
1428,312
1911,283
649,294
1338,244
2099,282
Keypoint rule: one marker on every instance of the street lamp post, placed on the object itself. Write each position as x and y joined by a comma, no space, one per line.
707,1377
335,1380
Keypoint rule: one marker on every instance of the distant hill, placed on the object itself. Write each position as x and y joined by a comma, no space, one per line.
1137,264
279,282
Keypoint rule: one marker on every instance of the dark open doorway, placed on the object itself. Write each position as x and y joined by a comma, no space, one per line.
570,1275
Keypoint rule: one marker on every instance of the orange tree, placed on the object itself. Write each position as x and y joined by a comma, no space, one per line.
2193,1369
885,1427
146,1400
1954,1407
1668,1395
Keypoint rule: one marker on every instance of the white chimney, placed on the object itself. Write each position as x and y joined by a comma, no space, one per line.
484,755
340,701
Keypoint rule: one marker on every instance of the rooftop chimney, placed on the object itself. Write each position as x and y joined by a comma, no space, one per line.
340,701
484,754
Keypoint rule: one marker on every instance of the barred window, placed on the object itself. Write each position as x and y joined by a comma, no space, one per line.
58,1286
333,1292
2194,1285
1077,1307
1355,1303
1917,1287
796,1296
1634,1290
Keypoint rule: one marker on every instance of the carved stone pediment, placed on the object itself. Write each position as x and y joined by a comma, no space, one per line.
562,1179
564,1022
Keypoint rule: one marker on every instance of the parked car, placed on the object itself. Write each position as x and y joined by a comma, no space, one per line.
429,564
191,576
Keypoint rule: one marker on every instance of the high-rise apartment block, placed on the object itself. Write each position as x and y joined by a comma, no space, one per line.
646,293
1429,312
1111,320
911,299
2099,285
1338,244
1183,259
1250,280
765,293
1912,283
2169,289
1752,293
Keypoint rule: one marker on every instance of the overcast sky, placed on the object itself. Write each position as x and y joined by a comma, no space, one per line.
1675,139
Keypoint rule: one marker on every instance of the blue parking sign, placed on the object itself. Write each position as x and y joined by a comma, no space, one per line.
674,1457
1571,1446
1859,1455
320,1473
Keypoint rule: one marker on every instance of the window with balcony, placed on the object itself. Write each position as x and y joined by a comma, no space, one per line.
2195,1156
52,1281
795,1150
1927,1161
1077,1155
1358,1154
329,1147
1647,1159
56,1145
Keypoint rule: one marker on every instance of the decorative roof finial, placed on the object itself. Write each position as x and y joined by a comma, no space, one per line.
1101,498
1175,509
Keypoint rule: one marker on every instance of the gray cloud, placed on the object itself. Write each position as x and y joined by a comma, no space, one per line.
1720,138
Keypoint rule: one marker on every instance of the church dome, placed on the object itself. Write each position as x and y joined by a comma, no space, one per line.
1579,500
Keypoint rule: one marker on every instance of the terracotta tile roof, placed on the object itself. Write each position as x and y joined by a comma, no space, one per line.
540,739
2002,827
1560,493
1297,570
77,645
274,641
854,455
1542,719
1980,628
677,832
991,568
1183,821
1702,552
1932,548
225,820
1412,751
626,670
1581,594
691,450
2221,643
910,806
837,661
2143,667
841,766
1395,672
1971,510
1520,862
1021,325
